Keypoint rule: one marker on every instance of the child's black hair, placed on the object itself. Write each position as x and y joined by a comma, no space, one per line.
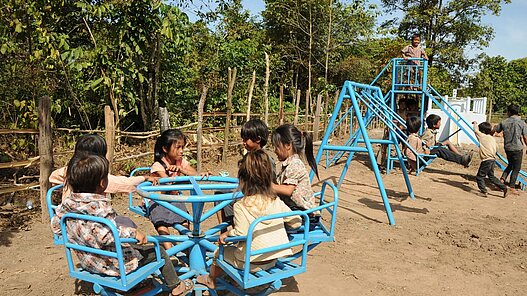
91,144
255,174
416,35
432,120
85,172
255,130
301,142
165,141
413,124
485,127
513,109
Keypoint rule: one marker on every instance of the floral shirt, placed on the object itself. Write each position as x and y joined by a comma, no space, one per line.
94,234
294,172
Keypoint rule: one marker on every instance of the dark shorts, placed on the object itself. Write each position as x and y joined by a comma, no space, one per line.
161,216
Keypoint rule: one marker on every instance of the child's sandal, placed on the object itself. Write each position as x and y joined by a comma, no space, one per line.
183,288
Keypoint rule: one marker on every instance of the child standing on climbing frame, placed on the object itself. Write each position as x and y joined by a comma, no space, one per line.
294,186
487,153
514,130
414,50
413,125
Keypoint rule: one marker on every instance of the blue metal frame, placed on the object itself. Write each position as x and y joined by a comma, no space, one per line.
57,239
349,92
124,282
321,232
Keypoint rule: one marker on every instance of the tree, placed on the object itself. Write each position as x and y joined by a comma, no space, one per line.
448,27
502,82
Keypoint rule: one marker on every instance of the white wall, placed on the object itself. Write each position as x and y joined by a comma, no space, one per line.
471,109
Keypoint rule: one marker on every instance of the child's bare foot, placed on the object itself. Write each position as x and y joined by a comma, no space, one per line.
183,288
206,280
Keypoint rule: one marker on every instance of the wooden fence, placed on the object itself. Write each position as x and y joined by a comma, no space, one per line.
201,136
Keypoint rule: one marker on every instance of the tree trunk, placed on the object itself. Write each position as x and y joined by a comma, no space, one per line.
249,99
266,89
231,78
45,149
164,119
328,41
109,133
199,132
281,108
306,123
316,124
297,106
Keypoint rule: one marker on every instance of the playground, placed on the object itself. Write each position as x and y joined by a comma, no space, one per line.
447,238
446,241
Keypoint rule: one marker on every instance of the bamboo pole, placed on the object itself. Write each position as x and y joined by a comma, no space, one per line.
249,99
297,106
306,118
266,89
316,123
201,104
231,78
281,108
110,133
325,114
45,149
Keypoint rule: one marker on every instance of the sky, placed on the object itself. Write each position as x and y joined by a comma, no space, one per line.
510,28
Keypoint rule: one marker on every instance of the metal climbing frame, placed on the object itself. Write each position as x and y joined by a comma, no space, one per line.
367,102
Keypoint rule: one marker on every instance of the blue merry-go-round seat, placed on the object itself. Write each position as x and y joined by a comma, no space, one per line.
284,268
102,284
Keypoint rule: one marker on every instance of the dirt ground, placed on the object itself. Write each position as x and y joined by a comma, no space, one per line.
448,241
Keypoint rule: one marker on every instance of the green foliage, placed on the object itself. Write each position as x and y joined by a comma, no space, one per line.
448,28
502,82
139,55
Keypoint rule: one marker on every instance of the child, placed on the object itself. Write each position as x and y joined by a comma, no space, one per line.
294,187
169,162
451,153
259,200
95,144
514,130
254,134
414,50
487,153
87,177
413,124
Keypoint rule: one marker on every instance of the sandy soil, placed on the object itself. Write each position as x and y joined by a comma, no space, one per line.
448,241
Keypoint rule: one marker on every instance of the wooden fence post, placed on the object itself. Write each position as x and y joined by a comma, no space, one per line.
297,106
281,108
306,123
316,123
45,150
109,134
231,78
325,114
249,99
266,89
199,131
164,119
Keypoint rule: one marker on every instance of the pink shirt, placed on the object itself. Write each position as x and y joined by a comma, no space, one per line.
157,167
116,184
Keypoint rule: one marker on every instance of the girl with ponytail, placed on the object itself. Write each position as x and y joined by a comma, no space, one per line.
294,187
